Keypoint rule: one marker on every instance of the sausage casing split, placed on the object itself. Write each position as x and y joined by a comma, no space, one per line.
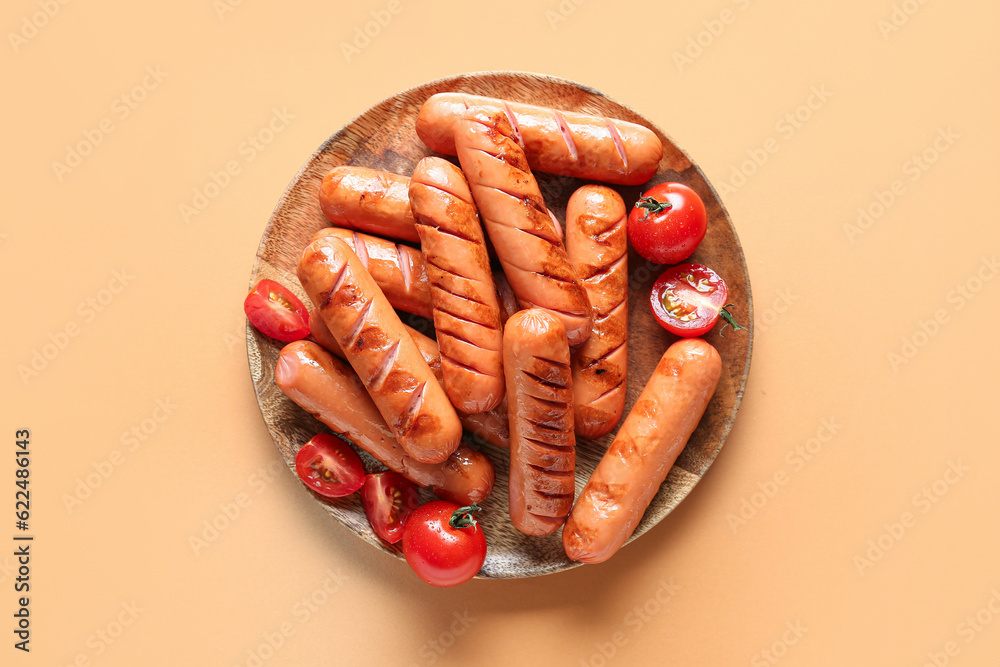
559,142
399,270
491,426
524,237
329,390
540,409
368,200
597,246
466,314
644,449
381,351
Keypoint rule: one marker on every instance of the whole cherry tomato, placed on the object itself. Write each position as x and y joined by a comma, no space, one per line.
668,223
443,543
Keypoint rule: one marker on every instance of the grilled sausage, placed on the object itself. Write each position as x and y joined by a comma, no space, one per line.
330,391
540,404
597,247
398,270
559,142
526,241
644,449
466,314
490,426
381,351
368,200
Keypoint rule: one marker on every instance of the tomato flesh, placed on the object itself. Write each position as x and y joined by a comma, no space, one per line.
687,298
388,499
440,554
276,312
668,223
329,466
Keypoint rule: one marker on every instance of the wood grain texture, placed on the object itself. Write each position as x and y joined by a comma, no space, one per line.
384,138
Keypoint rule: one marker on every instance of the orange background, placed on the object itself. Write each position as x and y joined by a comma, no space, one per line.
869,552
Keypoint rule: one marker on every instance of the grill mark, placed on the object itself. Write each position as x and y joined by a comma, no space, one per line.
543,381
360,249
359,324
404,268
543,425
566,135
545,445
464,319
524,199
558,279
546,401
467,367
553,496
384,368
608,315
553,473
604,356
603,236
608,392
452,232
339,279
617,138
513,123
496,156
452,193
552,361
430,260
607,270
411,408
486,325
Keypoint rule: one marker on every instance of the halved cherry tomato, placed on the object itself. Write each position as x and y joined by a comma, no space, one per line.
443,543
688,299
328,466
667,224
276,312
389,499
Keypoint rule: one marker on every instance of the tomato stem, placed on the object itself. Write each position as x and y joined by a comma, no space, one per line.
463,517
652,205
728,317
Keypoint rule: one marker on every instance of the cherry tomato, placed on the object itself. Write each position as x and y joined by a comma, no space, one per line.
276,312
443,543
688,299
328,466
389,499
668,223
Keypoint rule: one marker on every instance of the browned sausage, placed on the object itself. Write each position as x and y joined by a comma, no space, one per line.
466,314
526,241
558,142
490,426
330,391
540,404
398,270
368,200
643,451
380,350
597,247
427,347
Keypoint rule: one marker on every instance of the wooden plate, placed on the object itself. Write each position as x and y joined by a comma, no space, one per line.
384,138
